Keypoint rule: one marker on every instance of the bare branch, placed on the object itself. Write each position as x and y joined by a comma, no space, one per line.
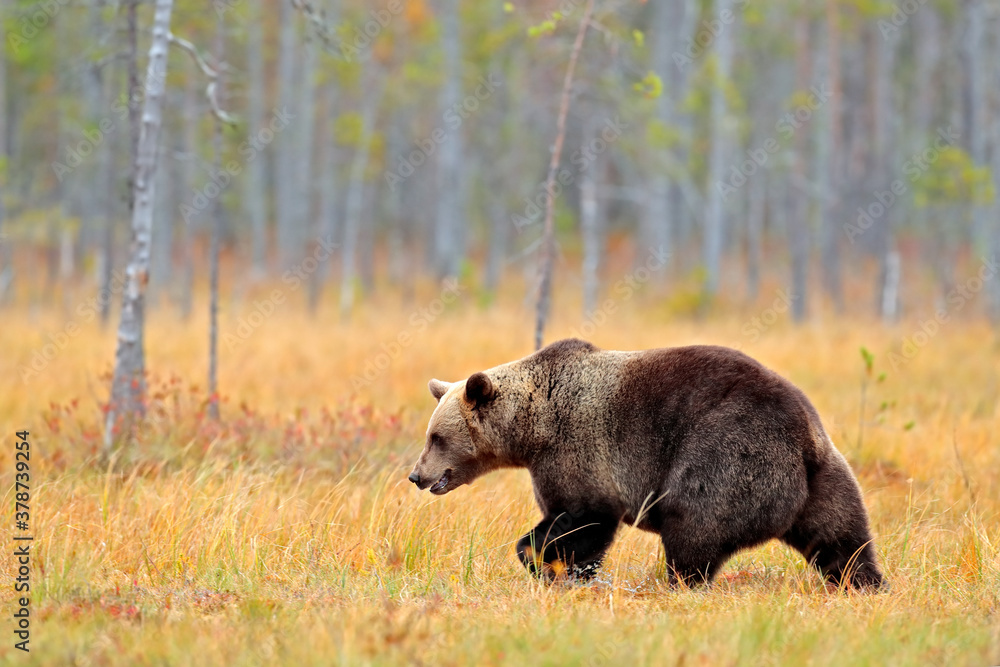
213,78
549,242
317,19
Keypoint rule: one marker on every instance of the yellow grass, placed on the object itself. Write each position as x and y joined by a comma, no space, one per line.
289,534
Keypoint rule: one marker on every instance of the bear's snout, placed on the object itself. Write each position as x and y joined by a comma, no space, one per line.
414,477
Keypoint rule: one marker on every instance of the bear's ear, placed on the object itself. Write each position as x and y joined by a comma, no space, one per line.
479,389
438,388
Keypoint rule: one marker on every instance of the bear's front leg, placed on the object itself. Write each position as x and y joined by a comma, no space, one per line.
568,544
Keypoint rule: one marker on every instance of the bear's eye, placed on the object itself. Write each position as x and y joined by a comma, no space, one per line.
437,440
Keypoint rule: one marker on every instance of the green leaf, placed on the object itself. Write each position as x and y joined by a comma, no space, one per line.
651,85
869,359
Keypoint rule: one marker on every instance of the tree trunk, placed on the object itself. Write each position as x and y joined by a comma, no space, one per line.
890,286
549,237
354,206
798,225
755,233
109,168
883,145
285,168
305,133
497,250
163,228
329,190
828,163
396,144
720,153
591,233
255,183
191,115
658,220
216,238
128,384
448,231
134,95
977,131
682,215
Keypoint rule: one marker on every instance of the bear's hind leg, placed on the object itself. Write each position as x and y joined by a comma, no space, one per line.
567,544
691,560
832,530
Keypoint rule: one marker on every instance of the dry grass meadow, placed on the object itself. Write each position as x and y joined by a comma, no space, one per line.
288,534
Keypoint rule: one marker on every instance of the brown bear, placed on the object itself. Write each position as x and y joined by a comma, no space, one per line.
700,444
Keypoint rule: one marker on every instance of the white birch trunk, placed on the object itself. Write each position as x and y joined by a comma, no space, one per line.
216,237
128,384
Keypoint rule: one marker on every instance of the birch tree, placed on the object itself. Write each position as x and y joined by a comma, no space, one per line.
543,304
128,382
216,236
883,146
720,151
657,220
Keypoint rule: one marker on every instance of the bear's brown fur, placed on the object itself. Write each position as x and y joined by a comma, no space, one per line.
700,444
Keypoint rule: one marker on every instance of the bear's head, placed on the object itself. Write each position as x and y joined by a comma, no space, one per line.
456,451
